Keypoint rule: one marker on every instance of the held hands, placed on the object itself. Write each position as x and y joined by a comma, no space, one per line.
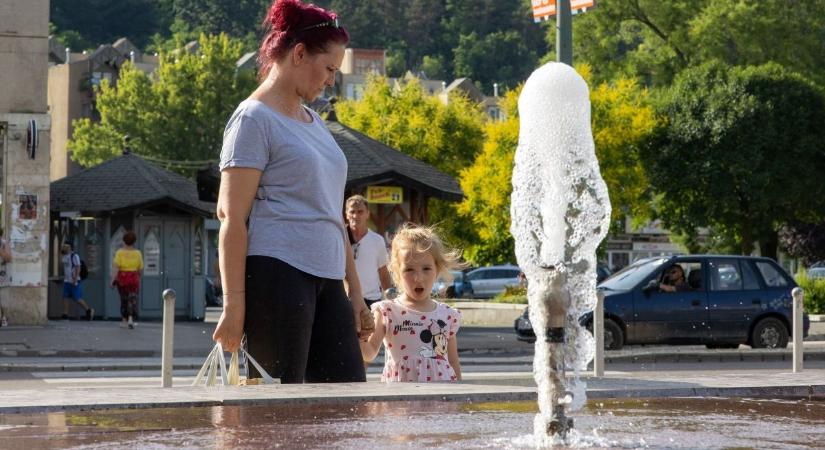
364,323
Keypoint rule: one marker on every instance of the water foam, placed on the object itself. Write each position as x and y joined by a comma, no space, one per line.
560,213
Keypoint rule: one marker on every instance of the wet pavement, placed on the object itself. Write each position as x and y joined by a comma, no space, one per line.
650,423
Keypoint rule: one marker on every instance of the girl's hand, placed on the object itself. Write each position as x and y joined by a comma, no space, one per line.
229,331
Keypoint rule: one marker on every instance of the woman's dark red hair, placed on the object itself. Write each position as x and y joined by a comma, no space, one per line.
290,22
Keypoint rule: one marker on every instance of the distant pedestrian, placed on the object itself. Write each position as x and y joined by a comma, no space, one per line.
418,333
369,251
126,269
5,258
71,282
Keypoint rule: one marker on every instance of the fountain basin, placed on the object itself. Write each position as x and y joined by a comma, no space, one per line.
606,423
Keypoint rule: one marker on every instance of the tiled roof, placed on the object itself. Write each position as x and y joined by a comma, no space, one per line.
126,182
370,161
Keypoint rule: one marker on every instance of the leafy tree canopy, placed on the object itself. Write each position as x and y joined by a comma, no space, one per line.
96,22
742,152
177,114
655,40
411,120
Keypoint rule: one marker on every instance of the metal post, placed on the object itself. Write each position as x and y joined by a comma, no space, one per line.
168,335
564,32
798,295
598,333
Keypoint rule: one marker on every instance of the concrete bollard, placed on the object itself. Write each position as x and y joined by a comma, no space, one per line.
598,333
168,336
798,306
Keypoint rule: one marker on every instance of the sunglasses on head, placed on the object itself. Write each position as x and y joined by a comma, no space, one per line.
330,23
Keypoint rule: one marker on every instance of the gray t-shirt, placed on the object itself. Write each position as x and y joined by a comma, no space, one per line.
296,216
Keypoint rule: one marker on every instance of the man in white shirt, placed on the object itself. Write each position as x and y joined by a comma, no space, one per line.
369,250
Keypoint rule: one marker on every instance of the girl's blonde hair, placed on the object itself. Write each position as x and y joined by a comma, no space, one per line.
422,239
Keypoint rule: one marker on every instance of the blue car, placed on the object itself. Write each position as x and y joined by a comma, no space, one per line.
722,302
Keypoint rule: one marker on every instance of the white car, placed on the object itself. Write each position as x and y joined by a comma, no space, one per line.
487,282
815,273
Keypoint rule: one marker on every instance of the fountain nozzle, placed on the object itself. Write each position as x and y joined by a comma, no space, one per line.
560,424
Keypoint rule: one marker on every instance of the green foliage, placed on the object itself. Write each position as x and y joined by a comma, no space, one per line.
487,188
417,123
512,294
236,18
623,119
655,40
814,299
178,114
70,39
103,21
489,59
420,125
742,152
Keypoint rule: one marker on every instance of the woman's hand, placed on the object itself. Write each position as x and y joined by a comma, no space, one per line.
229,331
364,323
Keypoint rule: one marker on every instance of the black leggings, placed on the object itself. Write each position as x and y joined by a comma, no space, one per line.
299,327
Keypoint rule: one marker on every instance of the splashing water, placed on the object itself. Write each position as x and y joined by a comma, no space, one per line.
560,213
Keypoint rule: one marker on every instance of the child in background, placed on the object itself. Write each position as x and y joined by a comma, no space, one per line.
418,333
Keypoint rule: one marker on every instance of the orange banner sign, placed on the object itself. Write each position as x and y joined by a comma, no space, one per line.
544,9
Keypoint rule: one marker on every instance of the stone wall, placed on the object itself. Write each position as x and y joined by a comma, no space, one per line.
25,181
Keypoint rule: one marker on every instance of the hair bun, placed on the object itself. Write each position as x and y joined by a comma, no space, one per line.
285,14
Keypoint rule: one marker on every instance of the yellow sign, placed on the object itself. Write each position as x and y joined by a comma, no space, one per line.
385,194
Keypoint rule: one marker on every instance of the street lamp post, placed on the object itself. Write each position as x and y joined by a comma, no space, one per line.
564,32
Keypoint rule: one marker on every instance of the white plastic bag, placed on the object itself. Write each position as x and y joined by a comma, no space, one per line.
215,373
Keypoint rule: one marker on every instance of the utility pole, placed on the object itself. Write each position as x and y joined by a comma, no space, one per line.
564,32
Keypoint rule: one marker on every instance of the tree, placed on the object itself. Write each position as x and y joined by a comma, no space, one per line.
487,188
655,40
499,57
420,125
104,21
804,241
236,18
622,119
742,152
417,123
177,114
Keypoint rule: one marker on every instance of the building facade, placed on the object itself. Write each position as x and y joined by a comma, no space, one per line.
24,153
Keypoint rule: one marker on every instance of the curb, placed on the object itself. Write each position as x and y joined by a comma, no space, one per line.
512,393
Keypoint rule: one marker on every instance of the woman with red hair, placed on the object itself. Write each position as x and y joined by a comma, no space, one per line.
283,247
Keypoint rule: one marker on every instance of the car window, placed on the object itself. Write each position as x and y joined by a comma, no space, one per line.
632,275
749,279
472,276
772,276
512,273
725,275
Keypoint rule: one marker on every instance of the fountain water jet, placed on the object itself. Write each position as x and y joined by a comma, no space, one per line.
560,213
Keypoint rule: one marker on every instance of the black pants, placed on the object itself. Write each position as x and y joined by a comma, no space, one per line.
299,327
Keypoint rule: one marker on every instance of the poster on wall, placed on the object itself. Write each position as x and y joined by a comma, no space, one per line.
28,207
151,252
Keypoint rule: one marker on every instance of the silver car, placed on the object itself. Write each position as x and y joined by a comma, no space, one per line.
487,282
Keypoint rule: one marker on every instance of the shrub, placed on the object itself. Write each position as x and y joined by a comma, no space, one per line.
512,294
814,293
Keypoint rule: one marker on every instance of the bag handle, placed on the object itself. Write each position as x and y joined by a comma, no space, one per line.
215,366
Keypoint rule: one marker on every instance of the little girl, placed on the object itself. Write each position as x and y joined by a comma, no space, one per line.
419,334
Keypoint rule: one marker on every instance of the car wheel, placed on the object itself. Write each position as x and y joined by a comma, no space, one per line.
613,335
769,332
450,293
